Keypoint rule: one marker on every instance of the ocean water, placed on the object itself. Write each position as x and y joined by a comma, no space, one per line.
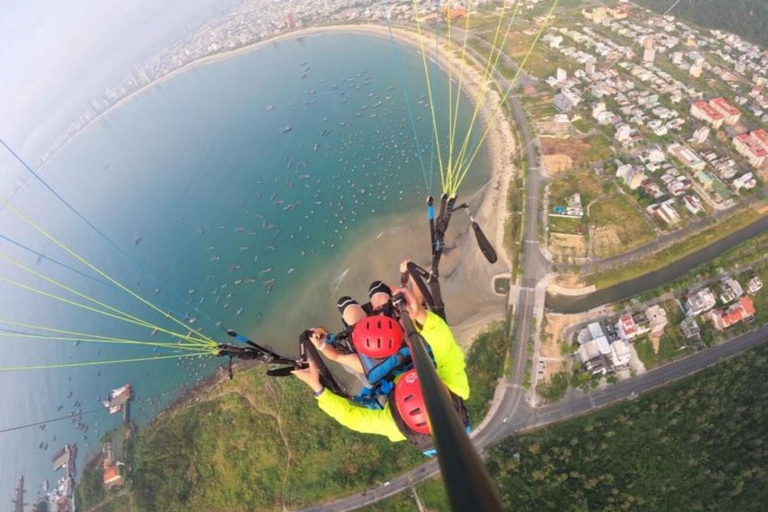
222,211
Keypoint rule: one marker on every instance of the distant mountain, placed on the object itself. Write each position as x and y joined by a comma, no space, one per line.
746,18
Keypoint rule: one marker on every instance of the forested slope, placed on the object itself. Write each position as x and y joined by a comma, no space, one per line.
701,444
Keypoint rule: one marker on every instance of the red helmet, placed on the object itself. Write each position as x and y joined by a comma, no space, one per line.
377,336
409,401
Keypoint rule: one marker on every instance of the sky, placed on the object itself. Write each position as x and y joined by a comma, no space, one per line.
55,54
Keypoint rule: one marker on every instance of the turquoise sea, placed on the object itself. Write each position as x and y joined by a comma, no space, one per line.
223,210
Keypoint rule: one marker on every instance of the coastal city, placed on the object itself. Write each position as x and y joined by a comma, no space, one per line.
631,210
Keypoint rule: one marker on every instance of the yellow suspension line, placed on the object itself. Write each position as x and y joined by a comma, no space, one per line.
506,94
449,61
45,233
168,346
81,335
96,363
429,91
116,341
149,325
453,115
490,69
23,286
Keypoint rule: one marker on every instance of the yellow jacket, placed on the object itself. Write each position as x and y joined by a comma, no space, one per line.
450,368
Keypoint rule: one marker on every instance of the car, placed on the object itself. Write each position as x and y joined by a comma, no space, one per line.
387,483
505,419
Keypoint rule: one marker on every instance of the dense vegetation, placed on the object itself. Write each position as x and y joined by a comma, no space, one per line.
747,18
40,506
261,444
697,445
90,490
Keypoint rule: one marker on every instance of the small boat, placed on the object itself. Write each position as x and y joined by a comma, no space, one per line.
287,129
270,108
137,240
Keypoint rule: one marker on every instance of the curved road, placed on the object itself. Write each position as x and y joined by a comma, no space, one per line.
510,413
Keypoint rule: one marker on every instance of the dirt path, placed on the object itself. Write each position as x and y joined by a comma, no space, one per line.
278,421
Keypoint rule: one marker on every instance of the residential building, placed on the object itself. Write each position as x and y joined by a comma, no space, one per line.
743,310
678,186
704,111
632,175
751,147
620,353
701,135
692,204
112,477
653,190
732,290
590,67
754,285
623,133
565,103
687,156
699,302
690,327
631,326
696,69
657,318
746,181
649,55
574,208
665,211
730,113
760,137
594,356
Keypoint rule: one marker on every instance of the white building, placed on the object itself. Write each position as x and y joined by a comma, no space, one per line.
732,290
631,326
620,353
657,317
699,302
701,135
